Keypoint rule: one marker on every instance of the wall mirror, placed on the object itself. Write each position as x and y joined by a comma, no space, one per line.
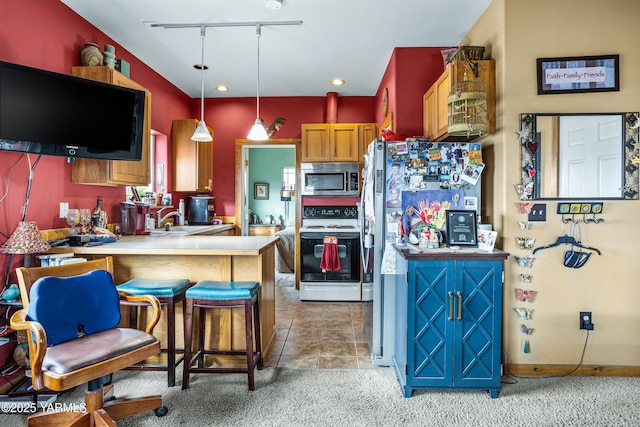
579,156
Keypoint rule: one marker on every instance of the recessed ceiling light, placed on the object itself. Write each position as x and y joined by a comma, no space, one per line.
273,4
222,88
337,82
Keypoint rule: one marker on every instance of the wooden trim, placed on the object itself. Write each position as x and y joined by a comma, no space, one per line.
298,200
584,371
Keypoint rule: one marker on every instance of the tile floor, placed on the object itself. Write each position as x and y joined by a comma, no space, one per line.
322,335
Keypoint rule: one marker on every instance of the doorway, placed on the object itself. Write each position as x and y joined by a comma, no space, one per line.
247,179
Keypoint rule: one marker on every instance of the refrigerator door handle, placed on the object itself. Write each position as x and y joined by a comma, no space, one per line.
450,305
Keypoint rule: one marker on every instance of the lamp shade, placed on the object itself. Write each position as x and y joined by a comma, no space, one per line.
201,133
25,239
258,132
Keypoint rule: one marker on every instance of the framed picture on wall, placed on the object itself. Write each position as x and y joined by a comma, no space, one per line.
575,74
261,191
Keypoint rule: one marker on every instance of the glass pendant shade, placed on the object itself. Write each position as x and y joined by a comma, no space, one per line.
201,133
258,132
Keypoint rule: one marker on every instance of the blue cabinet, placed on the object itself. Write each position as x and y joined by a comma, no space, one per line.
448,324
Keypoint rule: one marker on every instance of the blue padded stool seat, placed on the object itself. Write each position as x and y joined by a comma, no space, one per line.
213,294
223,291
157,288
169,292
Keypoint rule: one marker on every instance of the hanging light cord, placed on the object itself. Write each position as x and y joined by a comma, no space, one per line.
203,30
258,33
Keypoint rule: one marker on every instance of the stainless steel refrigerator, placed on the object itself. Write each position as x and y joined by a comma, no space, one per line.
449,170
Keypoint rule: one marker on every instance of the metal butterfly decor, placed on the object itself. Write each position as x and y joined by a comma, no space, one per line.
524,191
525,242
525,208
524,313
525,295
525,225
526,262
526,278
525,330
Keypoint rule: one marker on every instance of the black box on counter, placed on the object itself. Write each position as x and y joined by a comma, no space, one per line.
78,239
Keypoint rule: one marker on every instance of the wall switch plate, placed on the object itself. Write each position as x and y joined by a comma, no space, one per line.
538,212
64,209
586,320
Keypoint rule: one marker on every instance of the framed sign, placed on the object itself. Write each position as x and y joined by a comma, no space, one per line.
461,228
576,74
261,191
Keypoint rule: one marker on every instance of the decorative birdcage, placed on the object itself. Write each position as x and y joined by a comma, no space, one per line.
467,108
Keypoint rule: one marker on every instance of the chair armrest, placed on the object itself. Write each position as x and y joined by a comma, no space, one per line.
37,342
126,297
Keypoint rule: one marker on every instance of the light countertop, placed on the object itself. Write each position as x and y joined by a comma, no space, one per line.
177,245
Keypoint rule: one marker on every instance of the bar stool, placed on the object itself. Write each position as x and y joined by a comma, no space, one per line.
211,294
168,292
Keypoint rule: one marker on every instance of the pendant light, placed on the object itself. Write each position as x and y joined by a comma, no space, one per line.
202,133
258,132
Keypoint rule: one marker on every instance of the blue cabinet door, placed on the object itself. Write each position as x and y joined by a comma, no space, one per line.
430,325
478,332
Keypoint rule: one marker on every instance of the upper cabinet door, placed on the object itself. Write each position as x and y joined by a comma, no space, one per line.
324,142
192,161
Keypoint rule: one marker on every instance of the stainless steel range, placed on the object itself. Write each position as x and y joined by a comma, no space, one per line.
319,284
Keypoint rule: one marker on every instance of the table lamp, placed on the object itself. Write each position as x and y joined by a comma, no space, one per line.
26,239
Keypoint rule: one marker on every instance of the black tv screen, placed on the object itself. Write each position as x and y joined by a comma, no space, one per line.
61,115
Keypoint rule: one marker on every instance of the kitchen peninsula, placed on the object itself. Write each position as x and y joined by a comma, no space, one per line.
199,257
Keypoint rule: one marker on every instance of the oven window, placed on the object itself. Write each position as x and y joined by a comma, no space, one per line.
324,181
311,246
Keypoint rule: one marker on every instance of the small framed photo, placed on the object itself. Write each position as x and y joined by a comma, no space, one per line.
461,228
261,191
576,74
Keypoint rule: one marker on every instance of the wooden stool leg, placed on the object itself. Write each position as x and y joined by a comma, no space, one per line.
256,323
171,342
249,342
188,321
202,314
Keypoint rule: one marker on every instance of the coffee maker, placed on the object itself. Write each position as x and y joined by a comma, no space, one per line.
201,210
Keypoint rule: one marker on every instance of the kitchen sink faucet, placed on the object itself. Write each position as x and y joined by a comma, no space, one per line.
162,218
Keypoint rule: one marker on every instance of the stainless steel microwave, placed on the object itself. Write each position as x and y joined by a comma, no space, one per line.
330,179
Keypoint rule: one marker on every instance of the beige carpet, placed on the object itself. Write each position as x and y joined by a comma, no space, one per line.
304,397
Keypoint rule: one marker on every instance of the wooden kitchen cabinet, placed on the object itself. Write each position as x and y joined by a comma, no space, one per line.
263,230
435,118
192,161
330,142
114,172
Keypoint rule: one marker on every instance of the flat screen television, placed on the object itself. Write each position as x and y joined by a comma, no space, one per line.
62,115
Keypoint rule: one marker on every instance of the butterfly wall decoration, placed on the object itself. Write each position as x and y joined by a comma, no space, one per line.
524,313
524,191
525,242
526,262
525,295
525,225
525,330
525,208
526,278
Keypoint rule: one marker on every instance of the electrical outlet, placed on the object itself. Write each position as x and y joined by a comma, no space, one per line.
538,212
64,209
586,320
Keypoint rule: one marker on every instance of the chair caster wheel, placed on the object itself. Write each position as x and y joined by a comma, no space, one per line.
162,411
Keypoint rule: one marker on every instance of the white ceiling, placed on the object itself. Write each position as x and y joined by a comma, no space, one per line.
348,39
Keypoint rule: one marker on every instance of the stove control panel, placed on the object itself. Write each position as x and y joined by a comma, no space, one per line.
330,212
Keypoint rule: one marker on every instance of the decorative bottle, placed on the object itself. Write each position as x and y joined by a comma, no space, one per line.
181,218
99,215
